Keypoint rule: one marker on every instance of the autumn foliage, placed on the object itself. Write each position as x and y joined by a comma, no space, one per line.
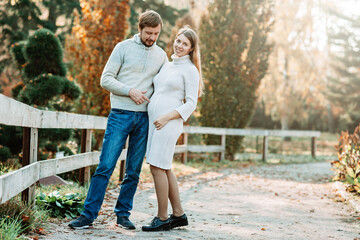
100,25
347,166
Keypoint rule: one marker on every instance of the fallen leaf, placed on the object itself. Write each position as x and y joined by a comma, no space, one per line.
339,199
25,218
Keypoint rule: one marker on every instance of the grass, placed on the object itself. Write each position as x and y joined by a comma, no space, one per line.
10,228
17,218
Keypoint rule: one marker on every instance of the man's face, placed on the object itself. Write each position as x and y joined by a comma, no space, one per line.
149,35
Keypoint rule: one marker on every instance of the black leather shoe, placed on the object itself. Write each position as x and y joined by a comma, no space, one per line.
157,225
125,222
178,221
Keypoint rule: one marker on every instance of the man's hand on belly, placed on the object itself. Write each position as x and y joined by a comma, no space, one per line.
138,96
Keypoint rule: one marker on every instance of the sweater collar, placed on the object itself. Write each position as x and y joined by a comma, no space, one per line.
138,41
180,60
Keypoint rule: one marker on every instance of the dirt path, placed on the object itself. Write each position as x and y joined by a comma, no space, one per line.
267,202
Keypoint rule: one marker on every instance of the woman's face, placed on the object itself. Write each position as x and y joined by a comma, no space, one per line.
182,46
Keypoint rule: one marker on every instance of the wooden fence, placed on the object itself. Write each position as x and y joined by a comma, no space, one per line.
23,180
223,132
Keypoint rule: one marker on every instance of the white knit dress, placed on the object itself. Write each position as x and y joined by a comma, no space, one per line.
176,81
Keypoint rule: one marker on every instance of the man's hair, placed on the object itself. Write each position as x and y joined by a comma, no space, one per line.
149,18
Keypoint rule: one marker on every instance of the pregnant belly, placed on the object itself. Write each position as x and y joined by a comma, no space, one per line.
160,105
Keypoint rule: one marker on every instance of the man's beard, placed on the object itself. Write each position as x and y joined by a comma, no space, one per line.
147,45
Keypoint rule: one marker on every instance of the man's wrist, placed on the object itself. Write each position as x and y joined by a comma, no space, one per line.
126,90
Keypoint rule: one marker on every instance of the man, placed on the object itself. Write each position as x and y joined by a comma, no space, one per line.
128,76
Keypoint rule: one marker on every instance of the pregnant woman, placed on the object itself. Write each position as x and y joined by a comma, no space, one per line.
176,89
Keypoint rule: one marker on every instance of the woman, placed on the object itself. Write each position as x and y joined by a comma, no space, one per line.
176,90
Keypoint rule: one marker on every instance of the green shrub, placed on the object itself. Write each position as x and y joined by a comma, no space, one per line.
44,54
44,85
6,168
67,150
11,137
347,166
69,205
17,52
5,153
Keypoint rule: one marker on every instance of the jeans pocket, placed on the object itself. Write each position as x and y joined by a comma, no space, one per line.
118,111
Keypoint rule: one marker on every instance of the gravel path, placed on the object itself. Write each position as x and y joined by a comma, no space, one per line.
260,202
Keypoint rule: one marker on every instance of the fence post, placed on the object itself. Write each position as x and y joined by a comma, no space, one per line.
185,154
265,149
122,162
223,145
84,174
30,155
313,147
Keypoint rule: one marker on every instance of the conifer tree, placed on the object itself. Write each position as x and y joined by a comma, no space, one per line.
343,83
235,53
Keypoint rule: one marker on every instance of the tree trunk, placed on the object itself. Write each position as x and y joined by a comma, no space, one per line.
285,105
331,127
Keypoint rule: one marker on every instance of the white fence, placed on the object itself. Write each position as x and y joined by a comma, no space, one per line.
23,180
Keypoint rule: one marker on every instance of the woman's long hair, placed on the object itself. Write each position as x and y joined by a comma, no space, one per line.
195,53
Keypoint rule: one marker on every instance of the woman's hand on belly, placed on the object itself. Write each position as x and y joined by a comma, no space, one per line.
161,121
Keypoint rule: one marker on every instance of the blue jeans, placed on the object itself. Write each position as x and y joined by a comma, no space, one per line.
120,124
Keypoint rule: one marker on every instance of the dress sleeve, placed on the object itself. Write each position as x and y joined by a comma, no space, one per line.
191,82
108,77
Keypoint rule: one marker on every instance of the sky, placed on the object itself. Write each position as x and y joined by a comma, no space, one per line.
348,7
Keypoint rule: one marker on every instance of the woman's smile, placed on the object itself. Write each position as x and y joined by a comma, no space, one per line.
182,46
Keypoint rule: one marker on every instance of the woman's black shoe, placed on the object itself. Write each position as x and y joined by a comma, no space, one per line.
178,221
157,225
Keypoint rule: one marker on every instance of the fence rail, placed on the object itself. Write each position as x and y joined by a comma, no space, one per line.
23,180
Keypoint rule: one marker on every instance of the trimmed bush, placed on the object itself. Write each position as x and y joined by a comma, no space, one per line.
44,54
17,52
44,85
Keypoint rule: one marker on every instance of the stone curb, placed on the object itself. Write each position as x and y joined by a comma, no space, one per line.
341,189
